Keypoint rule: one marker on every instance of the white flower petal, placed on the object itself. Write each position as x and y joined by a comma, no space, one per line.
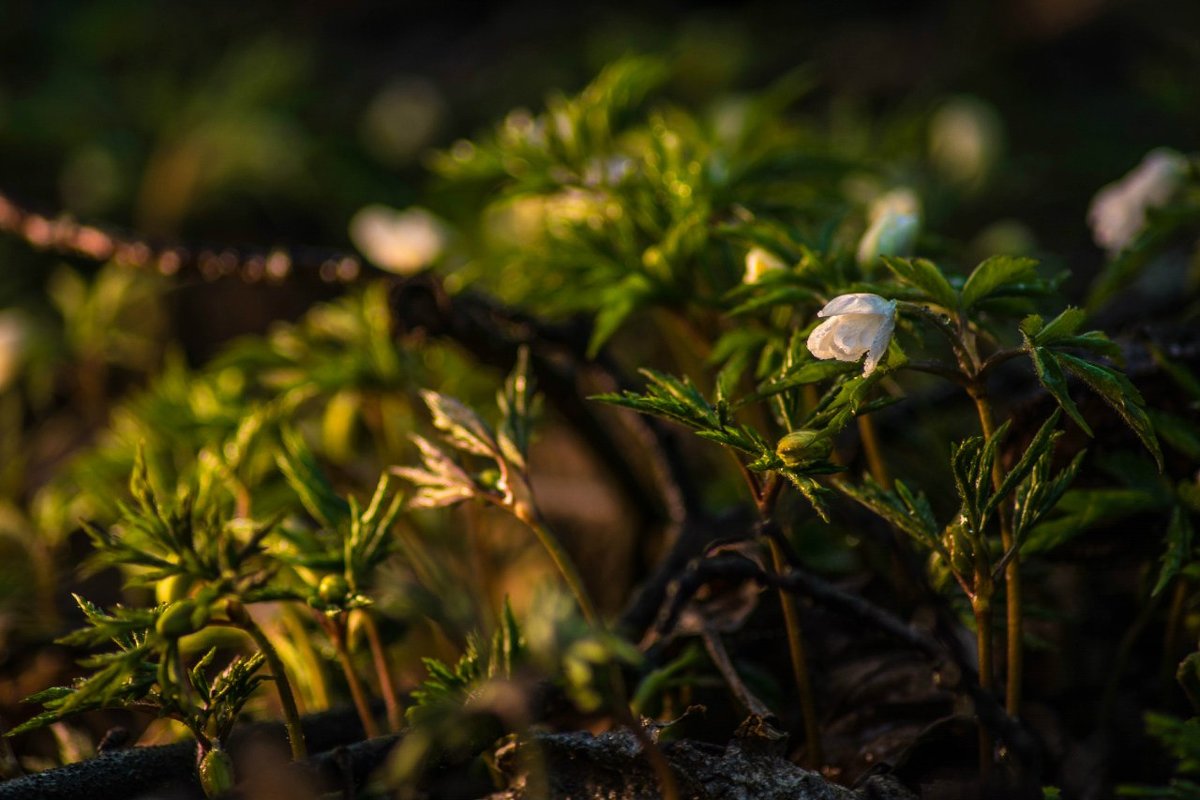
402,242
1118,211
879,345
857,325
857,303
818,340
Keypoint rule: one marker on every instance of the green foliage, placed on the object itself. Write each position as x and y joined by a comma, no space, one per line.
1182,739
351,542
146,671
1047,344
193,538
448,687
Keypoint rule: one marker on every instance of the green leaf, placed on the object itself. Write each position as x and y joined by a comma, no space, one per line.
460,426
634,292
813,492
1062,326
924,275
995,275
299,467
1041,445
904,511
1050,375
1120,394
1180,545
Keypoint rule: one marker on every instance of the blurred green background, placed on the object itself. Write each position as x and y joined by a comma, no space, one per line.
260,123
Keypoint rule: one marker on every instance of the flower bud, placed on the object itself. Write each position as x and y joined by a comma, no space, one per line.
802,446
895,221
333,589
759,262
176,620
216,772
966,138
173,588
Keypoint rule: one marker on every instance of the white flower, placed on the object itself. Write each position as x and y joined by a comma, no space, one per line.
759,262
858,324
895,222
402,242
966,137
1118,211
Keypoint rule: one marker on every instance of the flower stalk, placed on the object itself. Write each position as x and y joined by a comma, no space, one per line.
387,687
291,714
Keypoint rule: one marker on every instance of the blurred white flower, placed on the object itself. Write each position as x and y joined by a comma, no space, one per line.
1118,211
759,262
857,325
402,119
965,140
402,242
895,221
14,334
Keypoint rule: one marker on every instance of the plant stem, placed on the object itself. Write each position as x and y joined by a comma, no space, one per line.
1012,570
528,514
874,453
291,716
799,658
391,698
562,561
337,630
981,604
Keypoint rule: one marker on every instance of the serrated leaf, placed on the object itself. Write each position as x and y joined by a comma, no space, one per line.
996,274
1050,375
1180,548
924,275
302,473
460,426
1120,394
1061,327
1041,445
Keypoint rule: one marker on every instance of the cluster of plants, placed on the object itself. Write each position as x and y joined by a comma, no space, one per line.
311,513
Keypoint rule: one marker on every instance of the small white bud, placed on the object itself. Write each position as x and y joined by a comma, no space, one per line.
759,262
895,221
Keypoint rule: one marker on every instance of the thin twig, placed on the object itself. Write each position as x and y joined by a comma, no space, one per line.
720,658
724,566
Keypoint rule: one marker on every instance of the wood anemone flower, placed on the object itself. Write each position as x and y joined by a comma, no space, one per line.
857,325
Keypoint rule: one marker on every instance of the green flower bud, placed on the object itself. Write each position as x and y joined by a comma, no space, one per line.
802,446
173,588
216,772
333,589
176,620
